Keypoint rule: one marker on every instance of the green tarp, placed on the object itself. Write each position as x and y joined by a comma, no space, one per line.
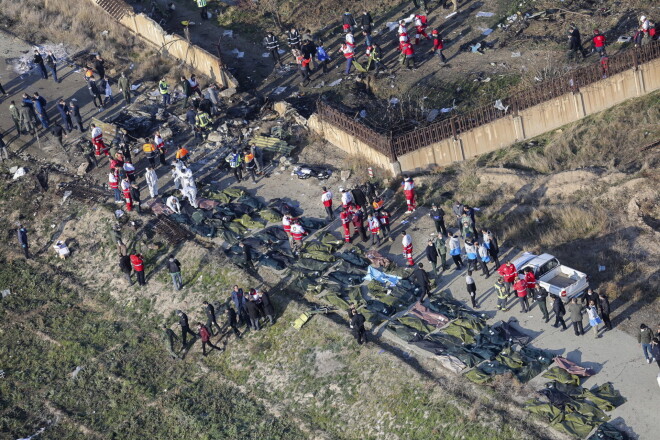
416,323
270,215
246,221
329,239
607,432
320,255
464,334
477,376
337,302
550,412
562,376
604,396
574,424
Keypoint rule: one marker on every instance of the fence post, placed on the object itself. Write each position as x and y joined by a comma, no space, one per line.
452,121
635,59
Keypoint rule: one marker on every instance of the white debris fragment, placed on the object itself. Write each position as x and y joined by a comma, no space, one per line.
265,54
485,14
487,32
279,90
515,54
19,173
228,33
498,105
394,101
335,82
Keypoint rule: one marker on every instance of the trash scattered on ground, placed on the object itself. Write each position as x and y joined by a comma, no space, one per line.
75,372
601,268
134,87
33,436
228,33
265,54
512,18
498,105
485,14
67,194
19,173
475,48
238,53
487,32
394,101
515,54
279,90
335,82
23,64
5,293
363,113
432,115
451,15
624,39
119,213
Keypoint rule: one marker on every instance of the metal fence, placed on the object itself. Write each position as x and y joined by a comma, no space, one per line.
570,82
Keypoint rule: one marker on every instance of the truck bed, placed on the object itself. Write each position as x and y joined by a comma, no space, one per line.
560,280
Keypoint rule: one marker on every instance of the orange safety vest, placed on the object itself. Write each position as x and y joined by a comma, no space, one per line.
181,153
148,148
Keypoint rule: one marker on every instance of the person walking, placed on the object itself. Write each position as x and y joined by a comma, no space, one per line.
432,256
252,311
124,88
422,281
152,181
438,46
594,319
374,227
174,268
185,329
409,194
349,53
169,337
232,321
209,310
23,240
575,313
137,261
509,274
273,46
293,39
574,43
234,159
441,249
437,215
644,338
520,287
655,350
604,309
267,304
51,64
406,242
560,311
455,251
126,267
38,60
366,22
74,110
15,117
471,288
96,93
502,294
65,114
599,42
326,199
490,241
357,321
164,90
539,294
205,336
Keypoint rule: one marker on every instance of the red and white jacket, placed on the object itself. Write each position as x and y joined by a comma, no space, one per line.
137,262
347,49
286,224
112,181
521,288
126,188
326,198
129,168
530,279
508,272
407,244
407,48
159,142
409,189
346,198
345,219
297,231
384,217
97,135
374,225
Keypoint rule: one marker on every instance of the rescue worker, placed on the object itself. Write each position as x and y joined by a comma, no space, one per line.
234,159
502,294
530,279
152,181
160,148
164,90
472,254
173,203
150,152
348,50
273,46
406,242
377,204
409,193
408,55
345,218
346,198
521,290
124,87
326,199
374,228
209,310
420,27
599,43
113,183
297,232
181,154
202,122
126,190
97,140
185,329
384,217
190,193
438,217
168,338
203,9
293,38
455,251
509,275
135,197
490,241
137,261
540,295
357,324
249,163
441,250
286,225
357,218
438,46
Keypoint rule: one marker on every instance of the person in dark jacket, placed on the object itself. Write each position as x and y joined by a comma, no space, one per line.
575,312
540,295
348,22
99,66
168,338
51,63
23,240
574,43
205,336
232,321
471,289
238,299
187,90
604,309
293,38
75,116
432,256
357,321
273,46
252,311
39,61
438,217
366,22
655,350
65,114
267,306
174,267
185,328
58,133
135,196
126,267
590,296
560,311
422,281
644,337
209,310
95,92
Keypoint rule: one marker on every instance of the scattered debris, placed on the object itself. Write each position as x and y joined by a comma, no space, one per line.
5,293
485,14
265,54
432,115
487,32
363,114
601,268
498,105
228,33
307,171
451,15
272,145
624,39
515,54
74,373
335,82
23,64
20,172
279,90
394,101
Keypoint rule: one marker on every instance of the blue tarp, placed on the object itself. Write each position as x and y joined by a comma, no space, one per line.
381,277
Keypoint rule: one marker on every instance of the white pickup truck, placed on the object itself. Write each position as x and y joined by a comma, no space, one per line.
558,280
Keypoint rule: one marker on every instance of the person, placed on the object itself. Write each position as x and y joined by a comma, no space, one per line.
422,4
174,268
374,227
560,311
25,115
258,158
420,27
345,218
187,90
502,294
422,281
164,90
457,210
322,56
190,193
358,221
75,115
484,259
247,256
471,288
150,152
209,310
441,249
575,313
99,66
346,198
107,91
51,64
643,30
39,61
644,338
252,311
172,202
347,50
211,93
203,9
520,287
384,217
96,94
152,181
490,241
408,55
137,261
530,279
599,42
40,111
540,294
125,186
58,133
234,159
655,350
472,253
406,242
432,256
604,310
194,86
297,233
185,329
357,321
574,43
293,39
273,46
168,338
594,319
181,154
366,22
438,46
250,164
267,304
590,296
4,154
509,274
15,117
23,240
126,267
409,193
326,199
124,87
437,215
455,251
238,299
348,22
232,322
65,114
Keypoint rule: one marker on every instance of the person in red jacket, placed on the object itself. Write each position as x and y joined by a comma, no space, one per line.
126,190
509,274
384,217
599,43
205,335
346,223
374,227
521,291
297,232
408,53
409,193
530,279
406,242
438,45
137,261
326,199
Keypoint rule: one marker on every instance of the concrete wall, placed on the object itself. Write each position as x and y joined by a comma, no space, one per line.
172,45
506,131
